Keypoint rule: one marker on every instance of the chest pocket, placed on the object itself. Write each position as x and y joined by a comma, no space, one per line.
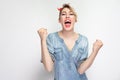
58,54
80,52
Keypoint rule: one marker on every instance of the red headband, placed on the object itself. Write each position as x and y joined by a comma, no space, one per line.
59,9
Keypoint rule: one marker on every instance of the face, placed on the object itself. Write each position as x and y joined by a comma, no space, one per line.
67,19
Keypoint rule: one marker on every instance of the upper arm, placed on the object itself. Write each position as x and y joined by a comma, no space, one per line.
83,51
50,45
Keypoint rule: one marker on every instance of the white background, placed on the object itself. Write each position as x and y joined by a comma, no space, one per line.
20,43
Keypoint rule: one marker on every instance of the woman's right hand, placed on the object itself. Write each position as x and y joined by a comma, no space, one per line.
42,33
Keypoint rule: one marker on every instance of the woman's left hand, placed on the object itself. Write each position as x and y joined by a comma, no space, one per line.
97,45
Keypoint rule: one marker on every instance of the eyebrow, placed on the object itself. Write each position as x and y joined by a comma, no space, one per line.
69,11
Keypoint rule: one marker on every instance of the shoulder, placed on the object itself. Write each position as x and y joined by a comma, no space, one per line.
83,40
51,35
83,37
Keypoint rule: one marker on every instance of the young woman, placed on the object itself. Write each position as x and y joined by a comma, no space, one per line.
67,51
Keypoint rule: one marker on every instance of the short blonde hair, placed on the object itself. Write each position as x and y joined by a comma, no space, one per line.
69,7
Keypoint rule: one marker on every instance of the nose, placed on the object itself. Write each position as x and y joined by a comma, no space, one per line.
67,15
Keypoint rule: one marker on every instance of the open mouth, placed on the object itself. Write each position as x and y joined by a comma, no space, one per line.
67,23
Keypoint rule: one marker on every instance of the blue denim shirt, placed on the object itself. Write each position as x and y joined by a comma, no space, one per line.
66,62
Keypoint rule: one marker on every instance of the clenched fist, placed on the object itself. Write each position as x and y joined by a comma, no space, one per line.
42,33
97,45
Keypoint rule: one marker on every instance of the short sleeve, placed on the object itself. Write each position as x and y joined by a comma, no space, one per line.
84,52
50,46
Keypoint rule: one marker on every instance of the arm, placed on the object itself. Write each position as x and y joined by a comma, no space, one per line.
45,55
88,62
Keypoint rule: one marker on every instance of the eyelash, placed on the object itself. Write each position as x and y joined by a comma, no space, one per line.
65,14
71,14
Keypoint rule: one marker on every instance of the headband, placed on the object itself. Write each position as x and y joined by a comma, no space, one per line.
59,9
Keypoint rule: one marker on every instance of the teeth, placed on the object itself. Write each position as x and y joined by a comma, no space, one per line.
67,20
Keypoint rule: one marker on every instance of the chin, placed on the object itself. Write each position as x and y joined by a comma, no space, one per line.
68,29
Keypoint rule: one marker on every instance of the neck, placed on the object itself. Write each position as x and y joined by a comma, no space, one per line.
67,34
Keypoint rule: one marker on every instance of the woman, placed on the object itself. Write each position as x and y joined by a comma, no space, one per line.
67,50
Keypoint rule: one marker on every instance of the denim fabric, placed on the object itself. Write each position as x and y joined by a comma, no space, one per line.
66,62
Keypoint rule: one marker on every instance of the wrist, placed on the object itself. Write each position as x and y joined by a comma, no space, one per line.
94,52
43,39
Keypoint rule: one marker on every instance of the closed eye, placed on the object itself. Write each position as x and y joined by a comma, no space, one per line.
63,14
71,14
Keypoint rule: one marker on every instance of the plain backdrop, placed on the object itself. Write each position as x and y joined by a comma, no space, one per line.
20,43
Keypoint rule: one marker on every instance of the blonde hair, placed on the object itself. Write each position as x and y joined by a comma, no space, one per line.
69,7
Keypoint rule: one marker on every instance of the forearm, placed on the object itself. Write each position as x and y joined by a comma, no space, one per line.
45,56
87,63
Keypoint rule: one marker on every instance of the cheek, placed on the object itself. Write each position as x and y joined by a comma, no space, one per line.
73,19
61,19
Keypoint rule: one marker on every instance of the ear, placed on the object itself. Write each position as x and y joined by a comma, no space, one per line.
75,20
59,20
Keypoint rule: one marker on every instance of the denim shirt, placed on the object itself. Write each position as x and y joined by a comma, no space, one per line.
66,63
